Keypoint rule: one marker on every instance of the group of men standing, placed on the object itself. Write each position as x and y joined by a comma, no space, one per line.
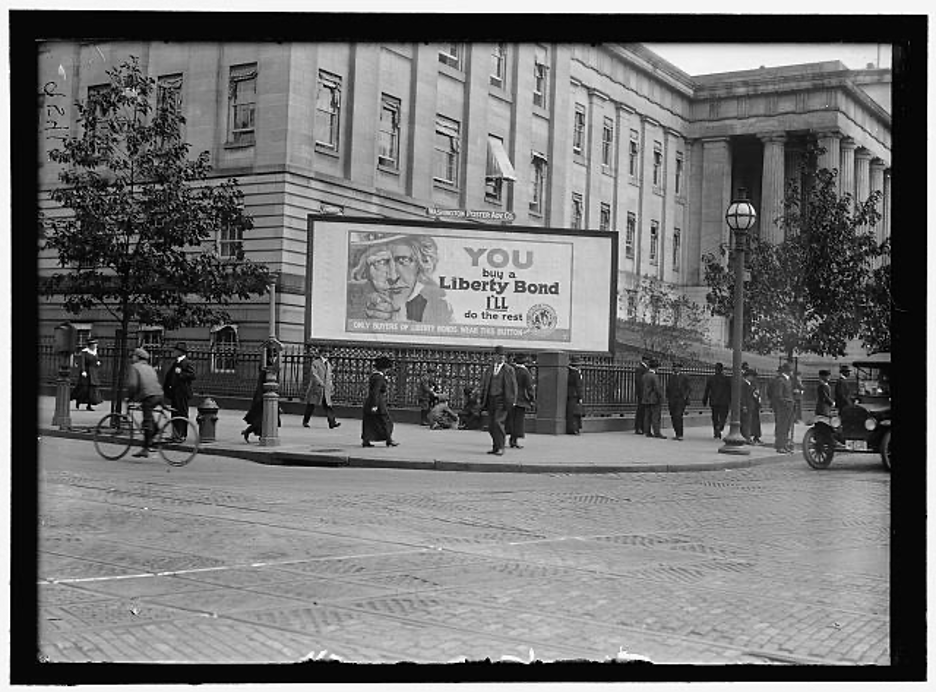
650,395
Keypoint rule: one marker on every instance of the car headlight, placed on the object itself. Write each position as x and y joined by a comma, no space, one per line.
870,424
835,422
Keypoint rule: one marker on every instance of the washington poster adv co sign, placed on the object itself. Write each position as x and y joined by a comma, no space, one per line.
460,285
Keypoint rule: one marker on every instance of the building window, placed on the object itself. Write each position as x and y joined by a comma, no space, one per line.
630,234
498,170
224,348
654,240
242,93
499,65
631,305
657,164
540,76
169,93
578,133
633,152
680,162
231,242
388,144
327,111
151,338
451,54
605,220
447,146
677,237
538,183
577,210
607,143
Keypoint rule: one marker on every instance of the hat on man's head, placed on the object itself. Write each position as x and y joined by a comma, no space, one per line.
719,366
677,364
750,371
382,362
654,363
180,346
824,373
141,353
786,367
844,368
575,359
498,350
91,340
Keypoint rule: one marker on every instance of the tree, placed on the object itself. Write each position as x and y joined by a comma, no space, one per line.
665,322
876,313
809,293
137,236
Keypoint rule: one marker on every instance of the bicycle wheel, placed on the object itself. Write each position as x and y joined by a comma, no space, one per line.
177,453
113,436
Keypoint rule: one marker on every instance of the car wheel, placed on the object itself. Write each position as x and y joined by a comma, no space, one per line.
885,450
818,449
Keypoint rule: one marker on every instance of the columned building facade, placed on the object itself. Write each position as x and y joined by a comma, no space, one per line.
567,136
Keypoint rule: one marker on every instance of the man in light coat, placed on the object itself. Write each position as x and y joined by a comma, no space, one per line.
321,388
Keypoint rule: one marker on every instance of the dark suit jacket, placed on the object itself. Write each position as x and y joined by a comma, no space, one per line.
824,400
574,389
179,384
652,394
678,388
525,394
842,393
90,364
717,391
639,372
510,385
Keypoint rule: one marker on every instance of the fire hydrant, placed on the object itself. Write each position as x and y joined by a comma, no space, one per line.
207,418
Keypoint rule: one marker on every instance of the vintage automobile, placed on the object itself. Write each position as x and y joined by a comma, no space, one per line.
864,425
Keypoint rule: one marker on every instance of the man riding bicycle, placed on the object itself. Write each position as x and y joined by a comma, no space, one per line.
143,386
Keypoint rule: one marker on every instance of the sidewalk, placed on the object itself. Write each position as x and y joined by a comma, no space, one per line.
453,450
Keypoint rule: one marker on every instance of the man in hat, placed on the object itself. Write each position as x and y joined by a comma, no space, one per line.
718,394
89,380
575,394
824,400
652,401
750,407
783,409
525,399
177,385
498,396
143,386
678,390
321,387
376,424
639,372
843,396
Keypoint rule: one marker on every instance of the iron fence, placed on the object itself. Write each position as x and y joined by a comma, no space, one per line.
609,384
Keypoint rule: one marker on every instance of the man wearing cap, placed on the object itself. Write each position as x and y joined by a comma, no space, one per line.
177,385
783,409
639,372
843,395
824,400
498,396
89,380
678,390
143,386
525,399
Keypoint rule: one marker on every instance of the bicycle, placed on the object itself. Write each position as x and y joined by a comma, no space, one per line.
114,434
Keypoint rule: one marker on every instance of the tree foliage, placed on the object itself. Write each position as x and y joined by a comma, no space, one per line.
137,236
665,322
811,292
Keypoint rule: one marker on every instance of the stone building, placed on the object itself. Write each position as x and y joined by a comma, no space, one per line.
607,136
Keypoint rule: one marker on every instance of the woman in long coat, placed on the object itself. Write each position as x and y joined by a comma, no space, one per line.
254,415
376,425
750,408
89,363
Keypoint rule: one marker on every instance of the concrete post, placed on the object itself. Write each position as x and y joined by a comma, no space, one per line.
62,416
551,385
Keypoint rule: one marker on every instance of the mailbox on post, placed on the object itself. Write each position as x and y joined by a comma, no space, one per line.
272,348
65,338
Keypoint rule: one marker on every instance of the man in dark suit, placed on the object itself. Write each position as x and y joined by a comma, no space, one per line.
177,387
652,401
639,372
783,409
718,394
843,395
525,399
678,391
575,390
498,396
824,400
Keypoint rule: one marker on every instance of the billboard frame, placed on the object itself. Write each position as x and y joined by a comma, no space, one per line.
312,219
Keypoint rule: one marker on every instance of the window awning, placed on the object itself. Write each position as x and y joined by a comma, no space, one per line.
499,165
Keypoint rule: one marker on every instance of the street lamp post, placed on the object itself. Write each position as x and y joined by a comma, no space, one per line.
269,429
740,217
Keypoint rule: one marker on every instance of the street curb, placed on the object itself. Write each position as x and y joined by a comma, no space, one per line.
271,456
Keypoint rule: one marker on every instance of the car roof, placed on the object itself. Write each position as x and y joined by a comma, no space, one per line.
874,359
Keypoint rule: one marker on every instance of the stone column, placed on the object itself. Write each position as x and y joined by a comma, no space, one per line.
886,221
552,380
772,186
716,192
877,185
830,142
862,175
847,166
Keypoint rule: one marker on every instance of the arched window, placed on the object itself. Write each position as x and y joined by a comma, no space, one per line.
223,348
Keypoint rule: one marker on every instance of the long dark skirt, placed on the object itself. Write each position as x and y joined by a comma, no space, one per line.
86,393
376,427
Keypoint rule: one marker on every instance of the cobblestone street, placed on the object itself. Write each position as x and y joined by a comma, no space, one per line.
229,561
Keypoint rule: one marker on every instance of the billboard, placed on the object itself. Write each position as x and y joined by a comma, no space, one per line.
461,285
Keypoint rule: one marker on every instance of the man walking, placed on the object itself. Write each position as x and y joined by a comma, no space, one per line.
639,372
783,409
498,395
143,386
177,385
843,396
652,401
718,394
525,399
321,388
678,391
